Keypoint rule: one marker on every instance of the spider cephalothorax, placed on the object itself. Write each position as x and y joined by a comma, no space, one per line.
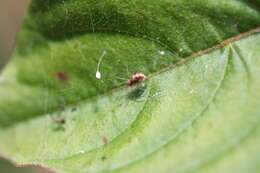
136,78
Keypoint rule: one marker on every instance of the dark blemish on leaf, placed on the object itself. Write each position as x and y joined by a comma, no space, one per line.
58,120
62,76
136,93
103,158
74,109
105,140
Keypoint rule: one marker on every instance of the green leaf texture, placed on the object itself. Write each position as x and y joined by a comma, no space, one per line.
198,111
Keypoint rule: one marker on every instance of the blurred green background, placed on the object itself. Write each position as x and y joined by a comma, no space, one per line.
11,14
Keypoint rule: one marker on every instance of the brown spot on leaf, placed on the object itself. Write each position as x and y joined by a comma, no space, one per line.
105,140
62,76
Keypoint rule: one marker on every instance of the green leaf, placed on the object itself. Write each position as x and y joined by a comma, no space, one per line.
197,111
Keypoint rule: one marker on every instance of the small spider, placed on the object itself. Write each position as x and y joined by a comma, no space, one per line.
136,78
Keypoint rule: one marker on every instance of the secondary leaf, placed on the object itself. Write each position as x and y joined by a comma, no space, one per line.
198,116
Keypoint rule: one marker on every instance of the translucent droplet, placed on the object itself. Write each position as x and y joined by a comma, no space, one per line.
192,91
98,75
162,52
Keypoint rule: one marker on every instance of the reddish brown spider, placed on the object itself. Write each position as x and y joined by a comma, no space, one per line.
136,78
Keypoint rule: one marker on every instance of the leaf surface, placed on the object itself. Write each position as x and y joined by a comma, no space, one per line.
197,111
